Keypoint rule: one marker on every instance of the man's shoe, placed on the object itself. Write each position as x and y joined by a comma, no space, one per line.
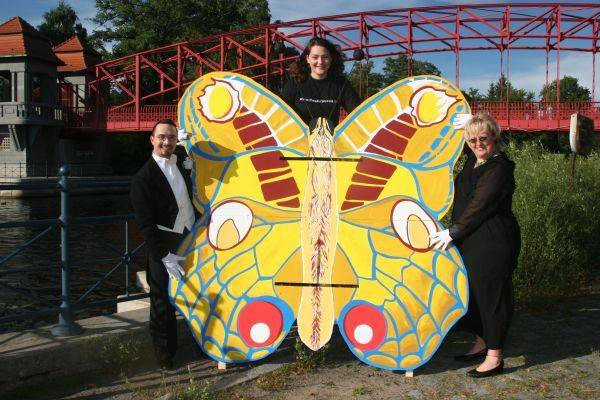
166,364
163,358
471,357
491,372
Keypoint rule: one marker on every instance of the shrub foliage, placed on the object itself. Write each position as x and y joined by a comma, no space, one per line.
560,221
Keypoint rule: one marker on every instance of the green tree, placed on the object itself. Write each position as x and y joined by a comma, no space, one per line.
569,90
365,81
473,94
60,24
134,26
497,91
396,68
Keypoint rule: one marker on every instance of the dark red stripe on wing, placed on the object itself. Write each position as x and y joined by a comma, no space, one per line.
370,166
392,139
263,143
376,150
360,178
270,165
245,120
371,175
293,203
255,132
346,205
268,160
390,142
401,129
361,192
279,189
271,175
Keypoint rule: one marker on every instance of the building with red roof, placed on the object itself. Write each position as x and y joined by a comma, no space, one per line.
31,104
79,60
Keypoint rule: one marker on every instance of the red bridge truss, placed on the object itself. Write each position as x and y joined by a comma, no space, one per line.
150,83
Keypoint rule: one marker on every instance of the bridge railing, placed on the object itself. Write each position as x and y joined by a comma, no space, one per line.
538,115
38,306
515,115
30,113
124,118
49,169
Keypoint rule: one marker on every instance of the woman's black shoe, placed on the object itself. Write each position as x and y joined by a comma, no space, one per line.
494,371
471,357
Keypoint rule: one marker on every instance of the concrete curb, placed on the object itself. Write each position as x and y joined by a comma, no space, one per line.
35,356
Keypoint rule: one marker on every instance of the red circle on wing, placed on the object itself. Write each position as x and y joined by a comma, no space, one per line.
373,319
260,312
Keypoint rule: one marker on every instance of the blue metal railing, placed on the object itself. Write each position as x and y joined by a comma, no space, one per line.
66,322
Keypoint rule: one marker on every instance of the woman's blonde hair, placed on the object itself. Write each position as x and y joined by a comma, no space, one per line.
483,121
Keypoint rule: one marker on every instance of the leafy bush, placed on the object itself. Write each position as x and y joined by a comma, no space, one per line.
560,223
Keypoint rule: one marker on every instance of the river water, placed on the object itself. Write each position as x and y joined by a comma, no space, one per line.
88,242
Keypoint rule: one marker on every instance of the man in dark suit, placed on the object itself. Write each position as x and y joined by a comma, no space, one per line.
161,198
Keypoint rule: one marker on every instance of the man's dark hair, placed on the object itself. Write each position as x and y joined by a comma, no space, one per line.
166,121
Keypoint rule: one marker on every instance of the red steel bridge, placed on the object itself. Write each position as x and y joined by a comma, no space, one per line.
130,93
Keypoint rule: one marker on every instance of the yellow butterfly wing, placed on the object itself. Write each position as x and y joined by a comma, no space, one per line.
227,116
240,136
408,295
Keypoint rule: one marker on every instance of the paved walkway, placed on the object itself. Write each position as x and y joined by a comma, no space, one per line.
553,352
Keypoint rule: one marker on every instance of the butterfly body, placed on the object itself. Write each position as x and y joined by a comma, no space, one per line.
323,228
319,238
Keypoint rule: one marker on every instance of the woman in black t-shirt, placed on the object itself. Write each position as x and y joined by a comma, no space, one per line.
317,87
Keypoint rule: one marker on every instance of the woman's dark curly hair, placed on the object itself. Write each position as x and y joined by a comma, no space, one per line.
299,70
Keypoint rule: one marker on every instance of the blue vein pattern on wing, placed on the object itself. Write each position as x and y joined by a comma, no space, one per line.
213,272
379,276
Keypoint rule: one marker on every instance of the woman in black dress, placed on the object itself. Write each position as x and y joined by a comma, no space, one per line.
487,235
317,87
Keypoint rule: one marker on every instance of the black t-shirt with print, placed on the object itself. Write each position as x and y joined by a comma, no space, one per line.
315,98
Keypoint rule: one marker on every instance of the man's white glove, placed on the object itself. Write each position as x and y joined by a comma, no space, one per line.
181,136
171,262
441,239
460,120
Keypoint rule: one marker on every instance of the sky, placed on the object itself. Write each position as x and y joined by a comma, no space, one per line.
527,69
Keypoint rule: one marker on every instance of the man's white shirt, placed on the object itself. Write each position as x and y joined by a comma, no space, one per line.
185,216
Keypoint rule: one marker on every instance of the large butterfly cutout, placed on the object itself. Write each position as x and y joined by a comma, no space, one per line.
321,228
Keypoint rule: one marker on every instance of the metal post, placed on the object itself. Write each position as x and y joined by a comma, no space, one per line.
127,258
66,325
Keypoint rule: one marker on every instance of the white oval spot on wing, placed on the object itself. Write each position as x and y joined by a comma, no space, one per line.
220,101
412,224
363,334
260,332
234,217
430,106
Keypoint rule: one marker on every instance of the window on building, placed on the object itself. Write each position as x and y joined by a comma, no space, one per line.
4,141
5,86
37,88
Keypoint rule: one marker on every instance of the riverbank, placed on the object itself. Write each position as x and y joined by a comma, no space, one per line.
551,353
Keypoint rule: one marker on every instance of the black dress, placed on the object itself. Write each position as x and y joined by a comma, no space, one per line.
488,237
315,98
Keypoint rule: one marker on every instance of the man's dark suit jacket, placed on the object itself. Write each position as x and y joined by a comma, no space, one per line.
154,203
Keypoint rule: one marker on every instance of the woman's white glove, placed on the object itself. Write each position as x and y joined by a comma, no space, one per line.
171,262
459,121
441,239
